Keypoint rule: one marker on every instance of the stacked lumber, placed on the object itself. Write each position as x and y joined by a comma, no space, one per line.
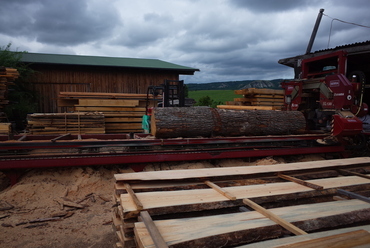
63,123
5,128
123,112
7,77
227,207
263,99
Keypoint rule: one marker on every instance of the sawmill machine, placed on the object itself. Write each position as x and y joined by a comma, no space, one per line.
329,100
330,87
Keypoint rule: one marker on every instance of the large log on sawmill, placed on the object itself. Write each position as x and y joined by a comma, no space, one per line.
190,122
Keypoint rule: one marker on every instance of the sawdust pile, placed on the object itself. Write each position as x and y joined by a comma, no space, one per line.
72,207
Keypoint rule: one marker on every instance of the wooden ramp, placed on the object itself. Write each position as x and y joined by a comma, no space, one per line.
227,207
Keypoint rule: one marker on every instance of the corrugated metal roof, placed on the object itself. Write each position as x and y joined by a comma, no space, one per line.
42,58
354,48
363,43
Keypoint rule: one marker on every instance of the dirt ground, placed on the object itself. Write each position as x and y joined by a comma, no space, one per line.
31,212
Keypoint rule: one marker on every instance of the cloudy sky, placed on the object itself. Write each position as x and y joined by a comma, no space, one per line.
228,40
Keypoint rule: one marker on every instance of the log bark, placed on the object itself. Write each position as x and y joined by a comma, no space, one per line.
191,122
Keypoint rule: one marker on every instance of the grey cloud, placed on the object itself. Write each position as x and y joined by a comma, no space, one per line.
227,40
146,31
63,23
271,5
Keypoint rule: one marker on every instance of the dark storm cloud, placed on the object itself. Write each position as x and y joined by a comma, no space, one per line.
227,40
66,22
271,5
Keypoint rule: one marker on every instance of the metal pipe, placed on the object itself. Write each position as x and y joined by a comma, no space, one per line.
314,31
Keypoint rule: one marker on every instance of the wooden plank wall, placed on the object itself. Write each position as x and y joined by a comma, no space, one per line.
50,80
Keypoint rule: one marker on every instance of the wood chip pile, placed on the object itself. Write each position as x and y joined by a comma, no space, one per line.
62,123
263,99
226,207
123,112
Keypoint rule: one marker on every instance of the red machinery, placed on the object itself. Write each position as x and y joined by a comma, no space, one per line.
325,95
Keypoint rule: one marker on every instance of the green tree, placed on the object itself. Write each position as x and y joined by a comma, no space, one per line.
208,101
204,101
22,99
186,91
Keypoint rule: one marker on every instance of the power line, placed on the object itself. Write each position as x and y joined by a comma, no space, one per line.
336,19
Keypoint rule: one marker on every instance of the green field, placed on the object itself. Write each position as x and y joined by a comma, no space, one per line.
215,95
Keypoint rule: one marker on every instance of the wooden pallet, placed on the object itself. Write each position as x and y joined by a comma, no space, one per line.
201,207
62,123
123,112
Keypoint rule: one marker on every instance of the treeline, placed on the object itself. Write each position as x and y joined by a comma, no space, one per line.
237,85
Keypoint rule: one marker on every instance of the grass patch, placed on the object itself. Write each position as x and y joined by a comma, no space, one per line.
215,95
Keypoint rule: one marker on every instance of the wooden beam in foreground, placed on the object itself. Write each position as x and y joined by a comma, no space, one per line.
353,195
301,182
290,227
132,194
354,173
221,190
153,230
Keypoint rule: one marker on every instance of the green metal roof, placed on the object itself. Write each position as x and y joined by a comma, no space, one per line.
42,58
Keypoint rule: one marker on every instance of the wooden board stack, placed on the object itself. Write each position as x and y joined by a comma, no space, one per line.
63,123
226,207
263,99
7,77
123,112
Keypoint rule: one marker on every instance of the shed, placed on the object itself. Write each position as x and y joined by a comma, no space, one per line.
76,73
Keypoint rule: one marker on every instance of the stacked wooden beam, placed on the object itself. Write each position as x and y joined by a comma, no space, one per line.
7,77
263,99
62,123
215,207
123,112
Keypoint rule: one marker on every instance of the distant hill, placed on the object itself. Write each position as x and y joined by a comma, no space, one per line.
237,85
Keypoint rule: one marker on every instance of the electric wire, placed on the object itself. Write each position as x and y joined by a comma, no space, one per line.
339,20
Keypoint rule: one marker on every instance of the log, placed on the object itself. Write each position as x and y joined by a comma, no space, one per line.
175,122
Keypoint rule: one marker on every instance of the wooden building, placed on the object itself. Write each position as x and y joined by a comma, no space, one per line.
75,73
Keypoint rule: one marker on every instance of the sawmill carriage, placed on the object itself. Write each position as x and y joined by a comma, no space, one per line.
332,89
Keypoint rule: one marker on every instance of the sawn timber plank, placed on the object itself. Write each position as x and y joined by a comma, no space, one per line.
213,231
201,199
282,242
238,171
108,102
